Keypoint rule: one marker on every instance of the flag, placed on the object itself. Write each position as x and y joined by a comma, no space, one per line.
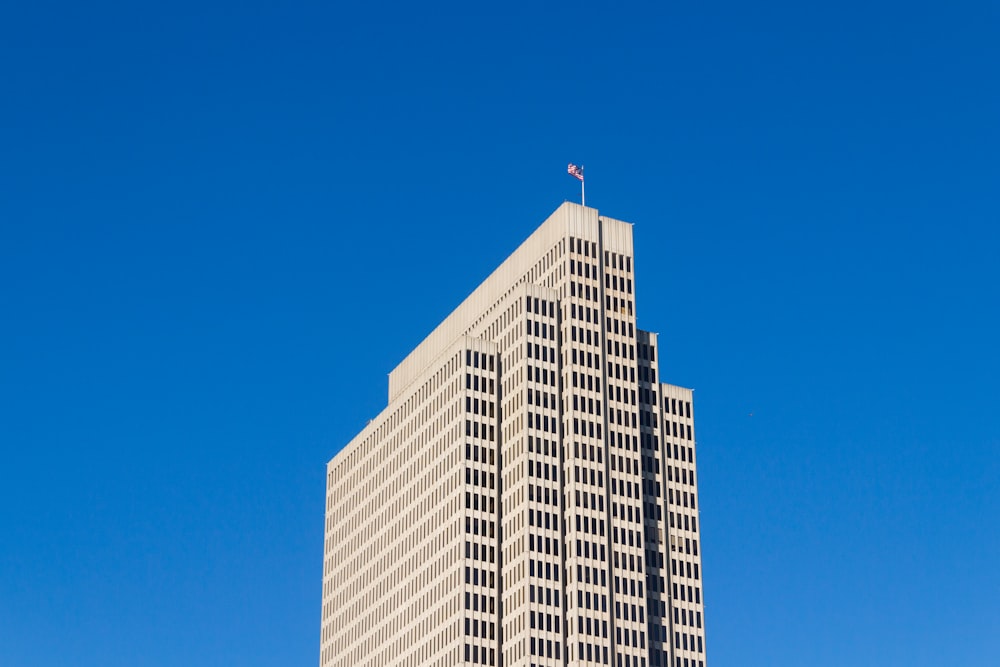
575,171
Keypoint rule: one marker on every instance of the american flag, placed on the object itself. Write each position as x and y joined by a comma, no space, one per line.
575,171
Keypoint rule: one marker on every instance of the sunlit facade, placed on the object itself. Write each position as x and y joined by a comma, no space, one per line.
528,497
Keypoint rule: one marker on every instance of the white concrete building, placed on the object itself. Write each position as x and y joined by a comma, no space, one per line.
529,495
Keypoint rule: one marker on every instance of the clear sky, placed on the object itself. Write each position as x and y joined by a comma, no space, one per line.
221,226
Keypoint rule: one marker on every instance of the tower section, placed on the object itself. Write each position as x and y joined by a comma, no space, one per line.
686,610
589,567
481,608
406,499
534,601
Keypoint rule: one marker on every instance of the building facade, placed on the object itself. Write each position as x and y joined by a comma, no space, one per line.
528,497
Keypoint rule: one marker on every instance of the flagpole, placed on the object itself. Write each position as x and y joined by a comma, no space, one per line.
577,172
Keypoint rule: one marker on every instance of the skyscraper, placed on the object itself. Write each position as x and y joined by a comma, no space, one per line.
528,497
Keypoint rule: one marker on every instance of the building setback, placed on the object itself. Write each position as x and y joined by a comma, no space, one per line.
528,497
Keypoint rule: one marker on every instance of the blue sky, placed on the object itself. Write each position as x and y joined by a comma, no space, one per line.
221,226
